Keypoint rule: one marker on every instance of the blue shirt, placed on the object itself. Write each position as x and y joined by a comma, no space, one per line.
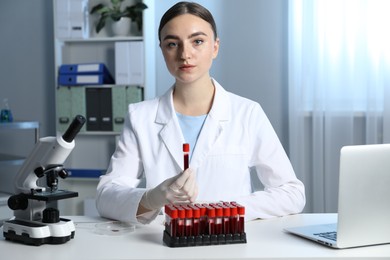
191,127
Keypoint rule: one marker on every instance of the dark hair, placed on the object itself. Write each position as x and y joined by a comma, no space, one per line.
187,8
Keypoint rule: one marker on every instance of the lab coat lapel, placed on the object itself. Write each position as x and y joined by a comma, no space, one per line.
171,133
213,126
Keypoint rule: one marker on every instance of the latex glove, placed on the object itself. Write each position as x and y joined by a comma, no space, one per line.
178,189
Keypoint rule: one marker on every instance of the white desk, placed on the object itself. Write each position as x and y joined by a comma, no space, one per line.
266,240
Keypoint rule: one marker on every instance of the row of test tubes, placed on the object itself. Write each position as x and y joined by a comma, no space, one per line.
204,224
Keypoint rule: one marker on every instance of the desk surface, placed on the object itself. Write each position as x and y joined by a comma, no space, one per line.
266,240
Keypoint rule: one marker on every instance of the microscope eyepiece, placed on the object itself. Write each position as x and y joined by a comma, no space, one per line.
73,128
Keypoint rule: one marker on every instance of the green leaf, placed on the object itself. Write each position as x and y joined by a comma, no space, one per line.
100,24
96,8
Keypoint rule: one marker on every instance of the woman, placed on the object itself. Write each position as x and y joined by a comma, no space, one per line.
228,136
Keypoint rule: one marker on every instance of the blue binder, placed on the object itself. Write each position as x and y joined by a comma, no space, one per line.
82,79
83,68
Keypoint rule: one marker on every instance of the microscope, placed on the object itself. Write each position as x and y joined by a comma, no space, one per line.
34,223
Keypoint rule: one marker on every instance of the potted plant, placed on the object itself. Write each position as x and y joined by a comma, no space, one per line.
115,12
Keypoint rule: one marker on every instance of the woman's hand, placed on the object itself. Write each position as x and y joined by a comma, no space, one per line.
182,188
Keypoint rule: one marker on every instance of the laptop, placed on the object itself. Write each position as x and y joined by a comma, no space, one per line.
363,203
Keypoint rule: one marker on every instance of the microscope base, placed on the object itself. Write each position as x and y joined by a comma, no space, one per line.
38,233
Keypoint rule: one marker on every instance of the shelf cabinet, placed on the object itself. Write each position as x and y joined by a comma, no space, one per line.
96,142
134,52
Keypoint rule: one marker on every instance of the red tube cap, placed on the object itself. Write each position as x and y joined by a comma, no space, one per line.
186,148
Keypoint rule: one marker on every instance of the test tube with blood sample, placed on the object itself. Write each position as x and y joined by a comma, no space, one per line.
234,219
226,219
218,218
196,220
210,212
202,219
180,230
186,152
241,213
188,223
171,220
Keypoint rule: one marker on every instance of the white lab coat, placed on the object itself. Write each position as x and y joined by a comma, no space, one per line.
236,136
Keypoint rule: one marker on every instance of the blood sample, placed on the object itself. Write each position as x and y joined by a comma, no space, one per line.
188,227
196,220
226,219
180,221
210,212
218,218
171,220
241,213
202,219
234,219
186,151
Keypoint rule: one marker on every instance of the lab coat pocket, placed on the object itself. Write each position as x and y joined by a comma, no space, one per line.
228,151
230,160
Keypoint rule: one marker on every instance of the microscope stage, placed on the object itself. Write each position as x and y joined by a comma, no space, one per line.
52,195
38,233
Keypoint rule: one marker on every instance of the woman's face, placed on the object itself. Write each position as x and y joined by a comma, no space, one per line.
188,47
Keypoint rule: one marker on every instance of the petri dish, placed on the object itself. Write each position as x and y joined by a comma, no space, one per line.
114,228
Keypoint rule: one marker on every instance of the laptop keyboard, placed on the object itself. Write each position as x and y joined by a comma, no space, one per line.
328,235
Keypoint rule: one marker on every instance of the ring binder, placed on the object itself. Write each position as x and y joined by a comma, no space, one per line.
84,74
